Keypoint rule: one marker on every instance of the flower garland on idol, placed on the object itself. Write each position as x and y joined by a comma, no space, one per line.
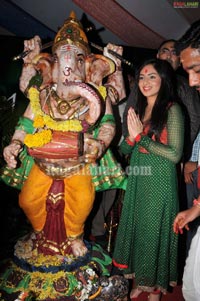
45,123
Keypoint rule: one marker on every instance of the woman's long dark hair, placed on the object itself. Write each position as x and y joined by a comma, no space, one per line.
166,96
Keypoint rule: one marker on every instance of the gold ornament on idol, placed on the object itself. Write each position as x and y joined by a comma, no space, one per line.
71,33
44,123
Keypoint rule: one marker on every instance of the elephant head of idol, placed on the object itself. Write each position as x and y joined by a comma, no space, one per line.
70,50
75,72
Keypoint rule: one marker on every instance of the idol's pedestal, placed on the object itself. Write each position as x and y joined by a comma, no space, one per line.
60,278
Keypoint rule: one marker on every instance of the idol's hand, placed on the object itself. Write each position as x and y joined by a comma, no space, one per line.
11,153
93,149
117,49
34,46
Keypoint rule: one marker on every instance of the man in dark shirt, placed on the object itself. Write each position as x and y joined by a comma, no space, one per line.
189,48
189,97
191,104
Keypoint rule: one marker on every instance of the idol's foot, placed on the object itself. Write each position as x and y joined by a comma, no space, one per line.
24,248
78,247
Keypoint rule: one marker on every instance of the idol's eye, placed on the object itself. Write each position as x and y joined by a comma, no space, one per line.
80,60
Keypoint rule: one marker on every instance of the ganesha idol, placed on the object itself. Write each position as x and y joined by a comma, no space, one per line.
64,134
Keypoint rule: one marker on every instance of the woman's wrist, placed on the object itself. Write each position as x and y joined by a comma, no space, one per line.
138,137
130,141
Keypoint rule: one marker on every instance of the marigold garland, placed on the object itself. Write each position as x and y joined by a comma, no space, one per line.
65,125
45,123
38,139
38,122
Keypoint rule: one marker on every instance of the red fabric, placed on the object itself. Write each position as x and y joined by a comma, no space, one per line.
174,295
129,142
119,265
54,230
138,138
163,138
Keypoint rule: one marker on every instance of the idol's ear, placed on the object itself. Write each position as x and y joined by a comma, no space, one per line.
97,67
43,63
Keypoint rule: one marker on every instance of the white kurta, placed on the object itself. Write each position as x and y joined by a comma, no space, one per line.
191,275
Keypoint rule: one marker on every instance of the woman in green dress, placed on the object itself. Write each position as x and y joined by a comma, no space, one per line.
145,246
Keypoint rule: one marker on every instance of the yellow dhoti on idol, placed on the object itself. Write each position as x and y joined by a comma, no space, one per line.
78,195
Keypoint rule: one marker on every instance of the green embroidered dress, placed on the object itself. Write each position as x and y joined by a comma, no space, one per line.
145,245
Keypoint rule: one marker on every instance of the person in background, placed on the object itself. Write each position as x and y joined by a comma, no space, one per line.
188,46
188,96
99,227
191,104
145,246
192,189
